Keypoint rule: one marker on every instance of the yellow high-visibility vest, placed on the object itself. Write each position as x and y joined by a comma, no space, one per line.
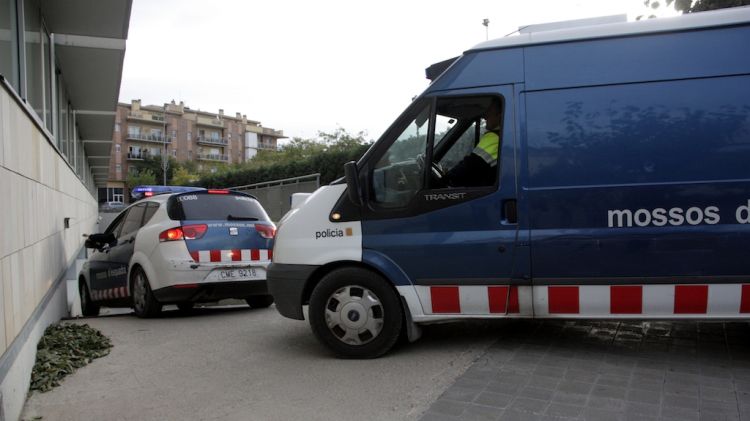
487,148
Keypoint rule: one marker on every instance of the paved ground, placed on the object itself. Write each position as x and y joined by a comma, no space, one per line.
606,371
240,364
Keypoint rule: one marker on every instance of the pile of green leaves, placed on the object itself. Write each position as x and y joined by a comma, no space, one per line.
64,348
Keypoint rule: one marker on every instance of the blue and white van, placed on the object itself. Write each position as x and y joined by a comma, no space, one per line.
620,190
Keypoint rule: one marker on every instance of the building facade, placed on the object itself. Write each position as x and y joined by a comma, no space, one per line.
60,69
208,139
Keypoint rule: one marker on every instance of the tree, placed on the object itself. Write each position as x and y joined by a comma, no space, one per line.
141,177
182,176
325,154
693,6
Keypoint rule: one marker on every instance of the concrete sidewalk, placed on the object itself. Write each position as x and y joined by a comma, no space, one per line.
240,364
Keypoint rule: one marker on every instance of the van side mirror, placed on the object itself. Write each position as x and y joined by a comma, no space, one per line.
352,182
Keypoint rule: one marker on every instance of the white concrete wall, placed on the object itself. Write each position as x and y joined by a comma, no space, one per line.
37,191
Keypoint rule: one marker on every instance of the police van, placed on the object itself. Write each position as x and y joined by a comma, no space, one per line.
620,190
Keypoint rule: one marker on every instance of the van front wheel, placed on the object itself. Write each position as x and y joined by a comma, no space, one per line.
355,313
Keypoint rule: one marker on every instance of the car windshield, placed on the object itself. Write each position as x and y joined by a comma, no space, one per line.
224,207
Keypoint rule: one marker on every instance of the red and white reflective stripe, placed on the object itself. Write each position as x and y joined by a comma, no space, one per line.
109,293
613,301
683,300
475,300
236,255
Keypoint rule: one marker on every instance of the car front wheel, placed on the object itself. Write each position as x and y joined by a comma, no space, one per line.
144,303
355,313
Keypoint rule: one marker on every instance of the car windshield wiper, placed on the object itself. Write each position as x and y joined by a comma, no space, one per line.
241,218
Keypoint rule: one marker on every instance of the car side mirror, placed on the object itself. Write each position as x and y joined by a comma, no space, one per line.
97,241
352,182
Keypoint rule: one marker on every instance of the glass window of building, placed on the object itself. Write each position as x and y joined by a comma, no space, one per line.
62,112
47,78
34,63
9,43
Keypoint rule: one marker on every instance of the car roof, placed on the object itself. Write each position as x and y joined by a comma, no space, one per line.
161,198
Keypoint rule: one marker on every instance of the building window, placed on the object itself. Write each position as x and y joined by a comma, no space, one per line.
174,153
9,44
117,147
62,113
47,78
134,131
190,154
189,136
114,194
117,127
118,168
33,48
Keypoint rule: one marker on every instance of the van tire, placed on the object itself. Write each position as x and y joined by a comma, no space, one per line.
259,301
144,303
88,307
370,326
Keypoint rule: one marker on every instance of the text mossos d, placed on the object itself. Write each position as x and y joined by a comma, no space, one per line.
676,216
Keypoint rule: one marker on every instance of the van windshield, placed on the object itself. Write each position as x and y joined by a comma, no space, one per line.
222,207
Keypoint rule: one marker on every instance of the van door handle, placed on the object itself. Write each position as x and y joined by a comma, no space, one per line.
510,212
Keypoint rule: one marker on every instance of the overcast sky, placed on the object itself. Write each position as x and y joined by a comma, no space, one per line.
304,66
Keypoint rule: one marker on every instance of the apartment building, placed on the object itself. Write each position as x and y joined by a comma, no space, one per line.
144,131
60,69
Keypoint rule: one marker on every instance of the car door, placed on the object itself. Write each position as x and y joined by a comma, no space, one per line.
457,244
122,251
99,260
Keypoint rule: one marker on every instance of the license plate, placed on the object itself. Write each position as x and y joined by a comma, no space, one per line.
239,274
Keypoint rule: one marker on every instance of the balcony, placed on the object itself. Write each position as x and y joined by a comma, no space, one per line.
267,146
153,138
210,122
272,132
140,156
212,140
145,117
212,157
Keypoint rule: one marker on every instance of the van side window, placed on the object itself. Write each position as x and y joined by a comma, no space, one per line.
398,174
467,141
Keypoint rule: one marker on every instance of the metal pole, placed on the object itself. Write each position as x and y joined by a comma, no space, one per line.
164,157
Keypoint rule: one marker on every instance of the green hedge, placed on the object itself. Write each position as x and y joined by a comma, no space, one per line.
330,165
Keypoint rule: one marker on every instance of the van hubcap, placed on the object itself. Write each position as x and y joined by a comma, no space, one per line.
354,315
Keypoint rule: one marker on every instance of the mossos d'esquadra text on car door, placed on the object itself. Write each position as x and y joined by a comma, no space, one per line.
184,248
591,172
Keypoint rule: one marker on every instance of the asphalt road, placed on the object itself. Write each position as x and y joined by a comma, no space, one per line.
237,363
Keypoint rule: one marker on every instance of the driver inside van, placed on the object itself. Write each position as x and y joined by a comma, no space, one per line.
480,167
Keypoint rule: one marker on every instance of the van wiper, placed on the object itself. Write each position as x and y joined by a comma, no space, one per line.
241,218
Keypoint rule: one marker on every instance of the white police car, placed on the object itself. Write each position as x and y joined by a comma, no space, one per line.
181,249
